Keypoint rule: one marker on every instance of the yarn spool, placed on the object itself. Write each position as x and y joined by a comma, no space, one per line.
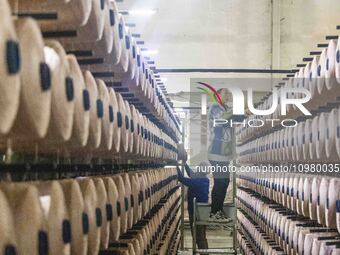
96,36
94,105
129,200
309,241
114,119
93,212
290,191
122,204
301,239
130,47
322,72
318,243
306,140
322,200
281,189
129,124
307,76
333,203
122,249
278,145
58,225
81,123
112,208
135,199
147,136
291,141
9,69
122,65
142,140
297,243
330,78
78,219
109,55
313,197
148,90
62,104
117,44
326,248
121,120
149,176
69,14
8,242
147,192
29,220
142,193
102,197
314,102
336,251
332,135
313,138
321,136
337,62
94,28
300,140
135,128
135,80
129,242
141,70
299,194
104,114
158,143
294,142
153,144
105,45
284,143
307,186
35,97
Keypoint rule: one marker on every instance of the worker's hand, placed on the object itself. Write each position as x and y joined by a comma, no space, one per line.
178,170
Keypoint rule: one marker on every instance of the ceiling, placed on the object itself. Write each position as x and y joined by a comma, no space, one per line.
230,34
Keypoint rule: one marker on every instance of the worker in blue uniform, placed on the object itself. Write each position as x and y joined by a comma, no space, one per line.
198,187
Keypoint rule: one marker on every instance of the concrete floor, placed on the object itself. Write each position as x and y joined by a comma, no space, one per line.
217,236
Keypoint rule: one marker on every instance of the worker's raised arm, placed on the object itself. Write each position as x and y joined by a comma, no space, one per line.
188,170
184,180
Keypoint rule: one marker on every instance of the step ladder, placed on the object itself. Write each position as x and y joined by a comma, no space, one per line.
200,218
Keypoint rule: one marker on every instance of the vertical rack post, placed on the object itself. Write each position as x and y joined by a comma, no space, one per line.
235,209
182,195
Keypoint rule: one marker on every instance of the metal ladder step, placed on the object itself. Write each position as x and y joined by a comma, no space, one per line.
209,223
215,251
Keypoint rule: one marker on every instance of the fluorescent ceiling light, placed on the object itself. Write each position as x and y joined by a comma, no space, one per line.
150,52
142,12
179,109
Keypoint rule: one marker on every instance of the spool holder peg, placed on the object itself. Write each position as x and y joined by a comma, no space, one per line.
307,59
315,53
332,37
322,45
59,171
81,53
60,34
